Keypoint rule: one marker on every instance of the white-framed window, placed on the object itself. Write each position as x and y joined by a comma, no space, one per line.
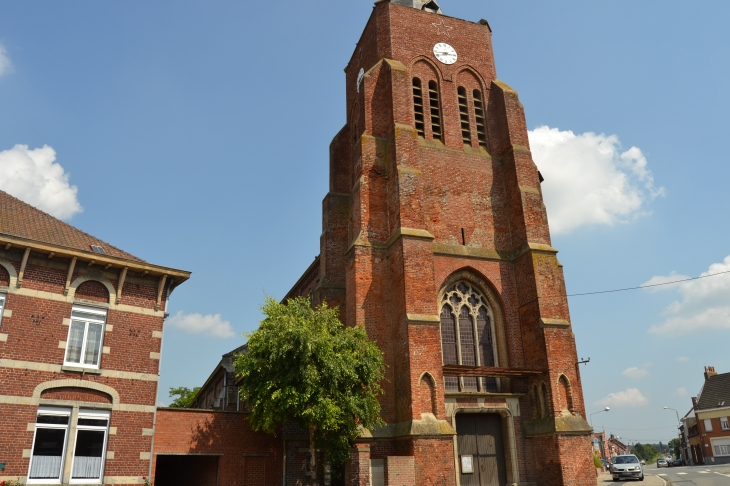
52,443
721,447
49,445
724,423
92,430
3,298
708,425
85,337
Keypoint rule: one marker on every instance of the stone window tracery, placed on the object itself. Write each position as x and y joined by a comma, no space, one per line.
467,336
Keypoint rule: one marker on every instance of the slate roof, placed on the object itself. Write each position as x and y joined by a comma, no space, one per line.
715,391
22,220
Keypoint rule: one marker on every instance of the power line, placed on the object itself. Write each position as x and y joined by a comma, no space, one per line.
648,286
658,428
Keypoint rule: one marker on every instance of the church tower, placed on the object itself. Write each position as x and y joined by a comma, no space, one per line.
436,239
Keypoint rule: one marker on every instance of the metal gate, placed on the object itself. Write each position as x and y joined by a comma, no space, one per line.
481,449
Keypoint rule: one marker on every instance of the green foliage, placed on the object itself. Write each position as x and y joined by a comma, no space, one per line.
11,482
303,366
597,461
674,448
185,396
646,452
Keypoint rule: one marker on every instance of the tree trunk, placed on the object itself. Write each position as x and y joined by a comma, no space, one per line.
312,455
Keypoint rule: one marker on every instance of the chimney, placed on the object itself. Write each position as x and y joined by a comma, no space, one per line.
694,403
709,371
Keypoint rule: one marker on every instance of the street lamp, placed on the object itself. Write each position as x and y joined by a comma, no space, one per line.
591,416
675,412
678,422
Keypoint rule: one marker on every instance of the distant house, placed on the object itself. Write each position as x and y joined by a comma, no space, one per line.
709,436
687,429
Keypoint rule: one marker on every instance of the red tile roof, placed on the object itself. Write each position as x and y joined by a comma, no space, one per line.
22,220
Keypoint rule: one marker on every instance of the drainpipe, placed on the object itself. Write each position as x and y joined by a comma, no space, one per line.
157,384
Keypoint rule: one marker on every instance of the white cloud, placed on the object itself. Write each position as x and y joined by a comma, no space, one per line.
704,303
635,372
211,325
631,397
588,180
33,176
681,392
683,359
6,66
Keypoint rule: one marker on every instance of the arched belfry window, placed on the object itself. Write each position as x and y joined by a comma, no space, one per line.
418,106
464,116
479,116
435,107
467,336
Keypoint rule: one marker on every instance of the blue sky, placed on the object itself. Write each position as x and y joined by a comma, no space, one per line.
196,136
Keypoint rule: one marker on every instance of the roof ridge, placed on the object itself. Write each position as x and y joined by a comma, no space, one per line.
65,225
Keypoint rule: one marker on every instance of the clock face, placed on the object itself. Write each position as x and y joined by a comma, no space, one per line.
360,76
445,53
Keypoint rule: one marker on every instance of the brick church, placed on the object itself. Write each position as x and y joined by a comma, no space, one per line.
435,238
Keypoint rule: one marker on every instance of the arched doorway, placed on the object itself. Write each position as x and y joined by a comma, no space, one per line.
480,444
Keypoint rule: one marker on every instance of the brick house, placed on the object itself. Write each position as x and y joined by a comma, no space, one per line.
80,336
709,434
608,445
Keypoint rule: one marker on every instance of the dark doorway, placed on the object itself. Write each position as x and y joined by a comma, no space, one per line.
480,444
186,470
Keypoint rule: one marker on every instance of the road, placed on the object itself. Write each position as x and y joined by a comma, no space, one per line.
692,475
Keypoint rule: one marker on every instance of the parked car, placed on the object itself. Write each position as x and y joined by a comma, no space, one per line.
661,462
606,464
627,467
675,463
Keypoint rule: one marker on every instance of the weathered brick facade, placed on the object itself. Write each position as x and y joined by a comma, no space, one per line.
46,269
426,194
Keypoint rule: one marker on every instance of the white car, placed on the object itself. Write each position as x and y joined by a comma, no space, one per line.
662,463
627,467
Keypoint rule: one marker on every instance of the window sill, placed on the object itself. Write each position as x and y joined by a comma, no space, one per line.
80,369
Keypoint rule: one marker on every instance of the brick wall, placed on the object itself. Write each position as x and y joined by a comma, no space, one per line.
247,458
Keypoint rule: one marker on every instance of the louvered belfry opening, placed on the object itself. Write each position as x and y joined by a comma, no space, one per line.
464,116
433,102
479,117
418,106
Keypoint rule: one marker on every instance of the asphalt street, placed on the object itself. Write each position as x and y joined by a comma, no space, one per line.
692,475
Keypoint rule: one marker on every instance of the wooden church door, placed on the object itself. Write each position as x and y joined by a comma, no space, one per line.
481,449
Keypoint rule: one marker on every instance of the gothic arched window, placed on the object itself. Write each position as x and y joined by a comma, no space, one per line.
467,336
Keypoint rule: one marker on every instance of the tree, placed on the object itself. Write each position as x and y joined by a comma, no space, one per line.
303,366
674,448
646,452
185,396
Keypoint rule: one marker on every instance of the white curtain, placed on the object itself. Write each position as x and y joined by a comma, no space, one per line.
45,467
75,341
86,467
